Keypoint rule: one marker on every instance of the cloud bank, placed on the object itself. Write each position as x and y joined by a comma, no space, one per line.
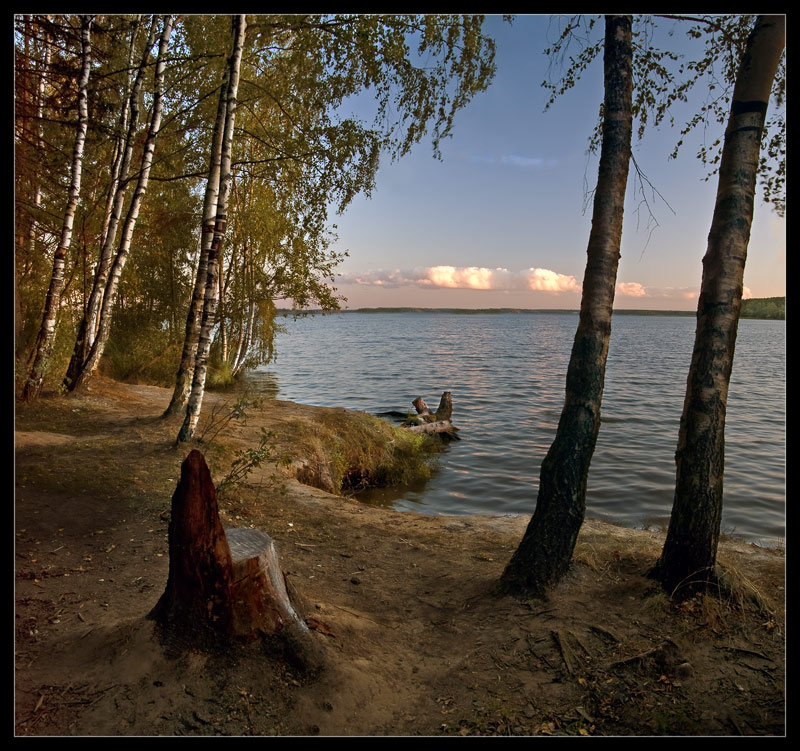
503,280
468,277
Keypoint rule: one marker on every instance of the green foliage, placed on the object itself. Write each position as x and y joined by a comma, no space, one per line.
223,414
764,307
140,355
250,459
356,450
664,80
297,156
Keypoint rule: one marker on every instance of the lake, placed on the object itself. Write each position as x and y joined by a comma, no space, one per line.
507,373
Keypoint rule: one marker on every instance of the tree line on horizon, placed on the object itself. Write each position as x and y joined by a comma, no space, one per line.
773,308
755,307
175,178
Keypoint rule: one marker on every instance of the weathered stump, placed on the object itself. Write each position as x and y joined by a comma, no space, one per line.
261,603
224,586
197,599
433,422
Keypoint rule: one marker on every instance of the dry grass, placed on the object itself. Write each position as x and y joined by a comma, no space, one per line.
347,451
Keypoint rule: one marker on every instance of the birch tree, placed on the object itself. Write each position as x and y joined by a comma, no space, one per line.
128,127
34,138
545,552
44,342
299,70
183,381
216,230
115,272
687,562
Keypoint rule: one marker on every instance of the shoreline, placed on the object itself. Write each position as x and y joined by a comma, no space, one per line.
401,603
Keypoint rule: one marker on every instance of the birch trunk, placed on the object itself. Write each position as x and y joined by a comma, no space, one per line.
245,340
688,559
40,90
37,194
183,380
46,336
221,314
195,402
109,295
545,552
120,140
129,122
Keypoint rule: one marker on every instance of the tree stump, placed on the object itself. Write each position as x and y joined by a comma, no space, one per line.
197,599
224,586
434,422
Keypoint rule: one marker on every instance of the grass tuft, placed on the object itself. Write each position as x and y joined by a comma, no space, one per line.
348,451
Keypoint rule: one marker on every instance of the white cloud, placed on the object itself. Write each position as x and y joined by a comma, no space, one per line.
468,277
631,289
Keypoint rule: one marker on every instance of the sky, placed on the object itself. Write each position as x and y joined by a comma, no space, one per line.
503,220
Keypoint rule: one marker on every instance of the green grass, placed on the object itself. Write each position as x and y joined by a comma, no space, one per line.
358,451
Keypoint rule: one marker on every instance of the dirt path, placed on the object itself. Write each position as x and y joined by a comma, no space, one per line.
414,641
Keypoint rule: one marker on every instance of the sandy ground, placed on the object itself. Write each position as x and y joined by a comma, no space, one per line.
401,605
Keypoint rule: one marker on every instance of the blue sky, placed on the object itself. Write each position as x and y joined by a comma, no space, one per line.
502,220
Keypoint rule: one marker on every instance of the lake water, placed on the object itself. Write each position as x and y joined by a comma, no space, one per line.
507,373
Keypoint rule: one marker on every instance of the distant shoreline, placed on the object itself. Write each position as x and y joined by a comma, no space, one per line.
529,311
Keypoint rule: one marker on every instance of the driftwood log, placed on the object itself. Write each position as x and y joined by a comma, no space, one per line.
224,585
434,422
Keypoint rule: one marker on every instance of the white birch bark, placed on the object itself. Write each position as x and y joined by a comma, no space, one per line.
40,90
183,380
124,118
210,303
129,123
44,341
115,273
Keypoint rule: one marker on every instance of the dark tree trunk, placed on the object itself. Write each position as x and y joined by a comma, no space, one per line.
197,600
545,552
687,562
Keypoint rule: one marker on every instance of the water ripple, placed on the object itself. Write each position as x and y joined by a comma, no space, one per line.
507,374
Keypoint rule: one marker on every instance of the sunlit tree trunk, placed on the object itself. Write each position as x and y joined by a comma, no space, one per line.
118,165
211,291
129,122
545,552
688,559
109,295
245,339
46,336
223,334
183,379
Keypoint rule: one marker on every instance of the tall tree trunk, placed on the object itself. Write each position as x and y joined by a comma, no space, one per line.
183,379
46,336
37,192
210,303
544,554
129,122
245,339
688,559
223,334
109,295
